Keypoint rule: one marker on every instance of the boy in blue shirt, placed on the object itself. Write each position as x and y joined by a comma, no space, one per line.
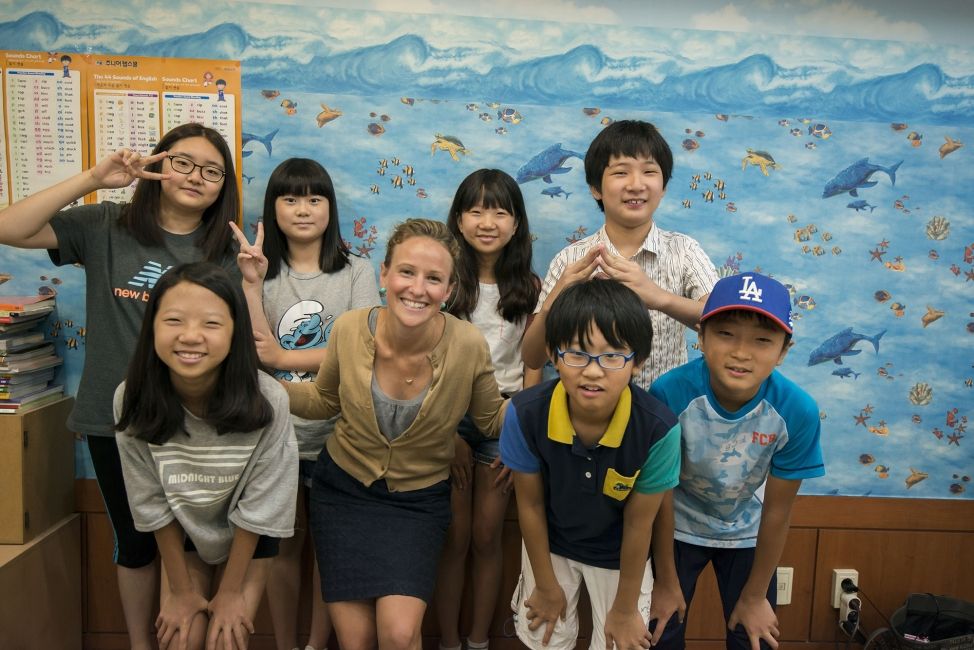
749,438
592,455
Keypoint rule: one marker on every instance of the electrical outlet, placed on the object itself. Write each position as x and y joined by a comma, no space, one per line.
786,576
838,575
849,608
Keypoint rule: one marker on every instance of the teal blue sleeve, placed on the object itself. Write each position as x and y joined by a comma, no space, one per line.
661,471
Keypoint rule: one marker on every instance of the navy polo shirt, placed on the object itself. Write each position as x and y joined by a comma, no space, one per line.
585,489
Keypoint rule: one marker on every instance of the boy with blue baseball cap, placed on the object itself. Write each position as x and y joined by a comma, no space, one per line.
749,437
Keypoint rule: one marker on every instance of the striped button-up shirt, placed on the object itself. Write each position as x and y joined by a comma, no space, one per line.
672,260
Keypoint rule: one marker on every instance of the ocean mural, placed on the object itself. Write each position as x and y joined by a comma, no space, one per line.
839,166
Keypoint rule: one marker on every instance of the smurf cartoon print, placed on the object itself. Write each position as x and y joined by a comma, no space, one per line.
303,327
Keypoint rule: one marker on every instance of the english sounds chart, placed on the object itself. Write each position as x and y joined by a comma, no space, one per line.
61,112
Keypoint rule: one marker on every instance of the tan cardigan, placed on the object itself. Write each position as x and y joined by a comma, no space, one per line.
463,382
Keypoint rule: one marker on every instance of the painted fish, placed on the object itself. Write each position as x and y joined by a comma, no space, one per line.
846,371
861,204
327,115
931,316
250,137
548,162
839,345
857,176
555,191
915,477
949,146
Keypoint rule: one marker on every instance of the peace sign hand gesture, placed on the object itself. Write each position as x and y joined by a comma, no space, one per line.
124,166
251,260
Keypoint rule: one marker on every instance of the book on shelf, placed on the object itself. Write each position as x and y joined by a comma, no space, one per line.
21,325
27,377
20,341
27,303
50,394
42,349
17,391
30,364
17,317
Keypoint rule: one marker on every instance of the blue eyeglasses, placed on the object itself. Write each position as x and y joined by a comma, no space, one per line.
607,360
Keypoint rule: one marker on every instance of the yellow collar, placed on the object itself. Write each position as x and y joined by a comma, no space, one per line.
560,427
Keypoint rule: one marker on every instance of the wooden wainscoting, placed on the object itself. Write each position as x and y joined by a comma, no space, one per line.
899,546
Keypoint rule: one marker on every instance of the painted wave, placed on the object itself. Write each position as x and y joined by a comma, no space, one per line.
409,65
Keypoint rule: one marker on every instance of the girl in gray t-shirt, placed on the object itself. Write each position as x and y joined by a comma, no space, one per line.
208,455
299,276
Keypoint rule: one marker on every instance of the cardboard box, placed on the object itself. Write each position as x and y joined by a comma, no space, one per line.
36,471
40,590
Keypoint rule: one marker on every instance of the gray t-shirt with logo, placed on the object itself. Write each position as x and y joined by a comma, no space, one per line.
300,309
120,274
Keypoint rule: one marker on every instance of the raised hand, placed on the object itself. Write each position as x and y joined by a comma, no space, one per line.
124,166
632,275
250,259
579,270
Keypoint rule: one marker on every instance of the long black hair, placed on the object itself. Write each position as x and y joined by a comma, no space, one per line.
301,177
141,215
151,408
518,285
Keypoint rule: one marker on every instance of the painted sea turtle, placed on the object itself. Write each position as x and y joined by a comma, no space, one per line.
761,159
449,144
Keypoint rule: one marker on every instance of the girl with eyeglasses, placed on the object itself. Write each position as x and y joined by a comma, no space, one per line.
184,197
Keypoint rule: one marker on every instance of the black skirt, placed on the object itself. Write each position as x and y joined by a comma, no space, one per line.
371,542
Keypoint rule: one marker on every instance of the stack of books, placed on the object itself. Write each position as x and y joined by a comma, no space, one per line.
27,361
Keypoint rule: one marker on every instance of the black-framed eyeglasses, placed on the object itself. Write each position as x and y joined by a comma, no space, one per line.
607,360
186,166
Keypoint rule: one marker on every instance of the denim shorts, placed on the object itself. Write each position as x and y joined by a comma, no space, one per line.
484,449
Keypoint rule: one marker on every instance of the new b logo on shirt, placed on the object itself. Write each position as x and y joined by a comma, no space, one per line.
749,289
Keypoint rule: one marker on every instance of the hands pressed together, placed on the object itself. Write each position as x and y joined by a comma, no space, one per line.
598,261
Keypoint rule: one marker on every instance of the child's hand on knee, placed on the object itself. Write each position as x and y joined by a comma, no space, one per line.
758,619
229,620
625,630
546,606
176,617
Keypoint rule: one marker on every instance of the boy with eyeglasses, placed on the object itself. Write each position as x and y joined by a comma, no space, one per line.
592,455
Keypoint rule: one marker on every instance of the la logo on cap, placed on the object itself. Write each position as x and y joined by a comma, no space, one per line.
749,290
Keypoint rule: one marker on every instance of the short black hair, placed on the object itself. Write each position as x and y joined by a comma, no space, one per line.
608,305
632,138
736,315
